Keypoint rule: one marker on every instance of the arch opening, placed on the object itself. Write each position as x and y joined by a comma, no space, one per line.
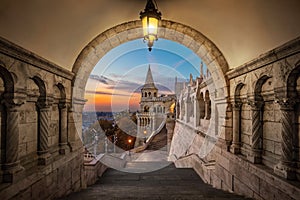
182,34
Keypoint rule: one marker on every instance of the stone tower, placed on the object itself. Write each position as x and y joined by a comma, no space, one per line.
153,110
149,89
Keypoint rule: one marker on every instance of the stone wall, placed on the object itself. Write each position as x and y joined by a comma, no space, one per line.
41,151
260,155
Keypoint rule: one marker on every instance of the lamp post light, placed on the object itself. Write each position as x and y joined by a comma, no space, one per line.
145,138
150,18
105,144
129,145
95,142
115,142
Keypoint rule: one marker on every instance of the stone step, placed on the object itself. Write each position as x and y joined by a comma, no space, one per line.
144,166
167,183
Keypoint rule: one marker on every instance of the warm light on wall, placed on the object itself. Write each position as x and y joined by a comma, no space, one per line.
150,18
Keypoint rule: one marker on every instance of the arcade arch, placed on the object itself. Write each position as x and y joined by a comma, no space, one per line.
177,32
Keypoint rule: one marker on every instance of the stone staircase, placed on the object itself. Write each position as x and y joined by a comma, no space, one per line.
167,183
159,141
144,166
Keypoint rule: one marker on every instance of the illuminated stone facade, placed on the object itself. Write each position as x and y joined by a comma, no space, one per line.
152,115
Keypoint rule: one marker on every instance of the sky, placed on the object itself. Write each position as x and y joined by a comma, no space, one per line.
115,82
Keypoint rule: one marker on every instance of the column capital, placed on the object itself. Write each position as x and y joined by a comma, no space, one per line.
286,103
43,108
236,105
44,102
14,100
255,104
62,105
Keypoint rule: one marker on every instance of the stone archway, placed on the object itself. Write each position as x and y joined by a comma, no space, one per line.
185,35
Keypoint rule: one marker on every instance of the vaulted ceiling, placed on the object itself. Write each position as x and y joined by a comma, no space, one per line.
59,29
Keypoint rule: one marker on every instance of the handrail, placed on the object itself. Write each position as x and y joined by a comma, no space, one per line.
206,162
145,145
157,130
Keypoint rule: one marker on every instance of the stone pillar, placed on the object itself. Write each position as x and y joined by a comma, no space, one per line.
201,108
207,109
196,113
170,124
63,134
236,125
255,153
188,105
286,166
138,125
186,114
43,133
182,110
154,123
177,111
11,163
71,130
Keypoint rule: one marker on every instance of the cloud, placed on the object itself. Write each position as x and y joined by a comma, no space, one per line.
105,93
124,87
114,75
102,79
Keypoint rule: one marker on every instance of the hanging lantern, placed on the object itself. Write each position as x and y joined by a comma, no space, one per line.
150,18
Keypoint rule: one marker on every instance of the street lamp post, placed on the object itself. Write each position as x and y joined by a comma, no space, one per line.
129,145
115,142
105,144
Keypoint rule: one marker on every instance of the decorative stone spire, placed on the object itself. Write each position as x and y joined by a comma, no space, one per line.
149,83
201,70
191,80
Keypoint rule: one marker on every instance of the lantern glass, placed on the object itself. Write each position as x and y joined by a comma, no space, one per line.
150,25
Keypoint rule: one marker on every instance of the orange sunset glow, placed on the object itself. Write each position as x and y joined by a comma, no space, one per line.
110,102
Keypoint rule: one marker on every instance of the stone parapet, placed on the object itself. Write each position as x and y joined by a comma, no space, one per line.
60,178
36,133
19,53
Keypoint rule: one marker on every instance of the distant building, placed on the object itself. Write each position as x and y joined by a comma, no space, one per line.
153,110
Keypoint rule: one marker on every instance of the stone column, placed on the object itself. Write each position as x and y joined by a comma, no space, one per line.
255,153
170,124
63,134
11,163
201,108
186,114
207,109
236,125
154,123
182,110
286,166
188,104
138,125
43,133
71,130
177,111
196,113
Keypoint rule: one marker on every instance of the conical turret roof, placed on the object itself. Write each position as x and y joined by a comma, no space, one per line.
149,83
